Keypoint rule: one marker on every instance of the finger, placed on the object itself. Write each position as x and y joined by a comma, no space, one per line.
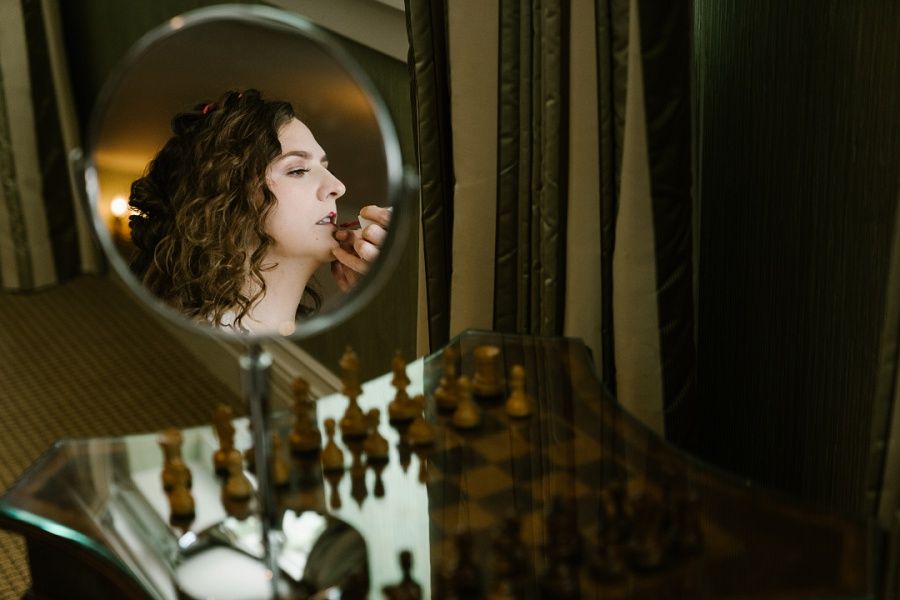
379,214
375,234
341,235
349,260
366,251
343,277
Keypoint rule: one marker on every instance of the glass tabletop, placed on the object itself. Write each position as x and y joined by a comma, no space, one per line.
578,495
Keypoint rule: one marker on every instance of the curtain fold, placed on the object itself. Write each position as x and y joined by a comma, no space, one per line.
532,156
428,63
43,236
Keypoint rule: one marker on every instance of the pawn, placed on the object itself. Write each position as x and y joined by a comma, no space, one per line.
420,431
446,396
466,577
404,450
401,408
332,456
468,414
280,471
358,489
225,433
181,503
237,486
170,443
378,467
334,477
518,404
422,453
305,437
488,380
375,446
407,589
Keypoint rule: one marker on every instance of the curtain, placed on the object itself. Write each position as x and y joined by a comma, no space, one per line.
883,481
44,236
566,209
428,66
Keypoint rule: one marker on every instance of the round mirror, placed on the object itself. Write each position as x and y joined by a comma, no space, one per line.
244,177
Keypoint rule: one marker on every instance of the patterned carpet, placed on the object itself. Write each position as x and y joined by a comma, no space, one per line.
84,360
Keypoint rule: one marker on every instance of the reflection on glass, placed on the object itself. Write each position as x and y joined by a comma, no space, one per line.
236,213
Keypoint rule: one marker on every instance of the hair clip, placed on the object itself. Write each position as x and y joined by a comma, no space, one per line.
208,107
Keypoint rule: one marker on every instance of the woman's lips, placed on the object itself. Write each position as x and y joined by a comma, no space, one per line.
329,219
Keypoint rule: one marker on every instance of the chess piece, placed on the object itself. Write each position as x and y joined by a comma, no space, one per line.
334,477
468,414
237,486
378,467
305,437
488,380
376,446
407,589
422,453
332,456
240,509
561,580
510,557
181,503
170,443
518,404
281,472
446,396
466,577
404,450
358,489
420,431
401,408
225,433
353,423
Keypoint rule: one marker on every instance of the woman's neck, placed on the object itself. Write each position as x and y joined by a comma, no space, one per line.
276,311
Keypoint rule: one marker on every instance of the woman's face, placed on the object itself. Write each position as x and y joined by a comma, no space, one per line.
301,223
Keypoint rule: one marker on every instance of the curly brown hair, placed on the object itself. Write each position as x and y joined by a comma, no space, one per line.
202,204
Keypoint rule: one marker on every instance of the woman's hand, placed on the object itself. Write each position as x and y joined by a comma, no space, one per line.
359,248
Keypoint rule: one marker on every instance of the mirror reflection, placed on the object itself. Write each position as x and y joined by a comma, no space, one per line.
252,186
239,210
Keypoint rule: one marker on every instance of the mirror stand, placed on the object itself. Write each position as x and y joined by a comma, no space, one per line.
255,364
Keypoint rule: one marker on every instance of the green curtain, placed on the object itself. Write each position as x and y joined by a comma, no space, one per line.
428,65
532,157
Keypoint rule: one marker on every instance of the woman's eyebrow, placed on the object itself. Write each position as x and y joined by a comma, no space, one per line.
302,154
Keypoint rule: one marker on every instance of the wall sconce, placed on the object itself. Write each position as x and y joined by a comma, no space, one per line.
118,208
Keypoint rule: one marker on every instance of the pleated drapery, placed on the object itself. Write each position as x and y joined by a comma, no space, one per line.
44,237
530,259
428,64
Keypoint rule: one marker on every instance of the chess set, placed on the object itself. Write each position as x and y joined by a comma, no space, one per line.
530,482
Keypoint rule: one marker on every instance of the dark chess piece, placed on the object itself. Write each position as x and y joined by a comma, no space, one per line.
420,432
466,579
334,480
378,467
237,485
309,471
510,562
353,423
605,564
376,446
518,404
358,489
332,455
468,414
405,452
240,509
646,549
422,453
305,437
561,579
281,471
407,589
446,397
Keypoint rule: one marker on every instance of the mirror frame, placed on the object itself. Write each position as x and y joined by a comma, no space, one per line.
402,182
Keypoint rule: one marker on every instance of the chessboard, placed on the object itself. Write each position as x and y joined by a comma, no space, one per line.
500,467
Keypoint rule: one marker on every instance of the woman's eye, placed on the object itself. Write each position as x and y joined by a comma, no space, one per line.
298,172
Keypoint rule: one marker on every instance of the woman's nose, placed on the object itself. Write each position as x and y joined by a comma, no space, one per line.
333,188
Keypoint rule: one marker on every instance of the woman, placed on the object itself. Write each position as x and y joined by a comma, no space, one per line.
237,212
